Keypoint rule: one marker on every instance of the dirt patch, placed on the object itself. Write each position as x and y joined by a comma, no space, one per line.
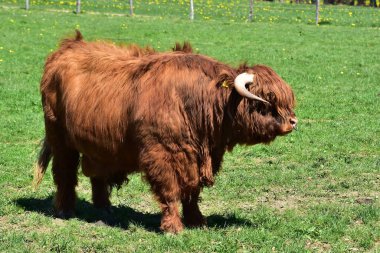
316,120
365,201
22,224
281,203
317,246
285,199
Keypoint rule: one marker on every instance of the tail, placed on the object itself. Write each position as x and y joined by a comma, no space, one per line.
69,41
40,167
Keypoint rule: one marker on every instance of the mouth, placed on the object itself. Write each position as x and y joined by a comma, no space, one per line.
287,130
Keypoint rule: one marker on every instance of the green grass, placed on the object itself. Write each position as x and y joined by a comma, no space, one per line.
315,190
231,11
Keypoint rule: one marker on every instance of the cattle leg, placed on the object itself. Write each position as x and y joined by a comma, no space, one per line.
65,169
170,221
191,214
164,184
101,192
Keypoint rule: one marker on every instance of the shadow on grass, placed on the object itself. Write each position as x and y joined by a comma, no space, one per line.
122,216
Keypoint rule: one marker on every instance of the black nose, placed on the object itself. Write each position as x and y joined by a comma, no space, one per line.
293,122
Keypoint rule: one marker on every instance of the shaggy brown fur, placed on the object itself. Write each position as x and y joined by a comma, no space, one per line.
168,115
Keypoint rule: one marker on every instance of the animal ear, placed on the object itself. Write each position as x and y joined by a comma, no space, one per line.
186,47
225,80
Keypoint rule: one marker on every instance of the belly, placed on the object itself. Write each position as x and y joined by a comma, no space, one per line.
106,161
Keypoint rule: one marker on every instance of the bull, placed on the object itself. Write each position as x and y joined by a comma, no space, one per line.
172,116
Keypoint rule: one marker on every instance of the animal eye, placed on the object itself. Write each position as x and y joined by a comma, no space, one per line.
272,96
251,108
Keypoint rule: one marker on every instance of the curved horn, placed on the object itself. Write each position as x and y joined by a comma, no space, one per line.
239,84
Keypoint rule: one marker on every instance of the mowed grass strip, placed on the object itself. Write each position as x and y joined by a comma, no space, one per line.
314,190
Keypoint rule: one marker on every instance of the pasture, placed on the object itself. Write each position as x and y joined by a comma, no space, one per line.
315,190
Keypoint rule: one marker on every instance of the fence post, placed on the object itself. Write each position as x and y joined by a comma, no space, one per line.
78,7
191,9
27,5
131,7
317,12
250,17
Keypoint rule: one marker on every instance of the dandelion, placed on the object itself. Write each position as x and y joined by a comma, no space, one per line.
1,60
11,51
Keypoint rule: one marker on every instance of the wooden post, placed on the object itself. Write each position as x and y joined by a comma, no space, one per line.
316,12
131,7
27,5
191,10
78,7
250,17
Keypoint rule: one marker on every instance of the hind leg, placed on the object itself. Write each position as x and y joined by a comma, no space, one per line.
65,169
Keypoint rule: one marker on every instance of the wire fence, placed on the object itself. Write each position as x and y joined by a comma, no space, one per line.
282,11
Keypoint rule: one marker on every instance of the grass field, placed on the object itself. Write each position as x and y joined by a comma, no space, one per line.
231,11
316,190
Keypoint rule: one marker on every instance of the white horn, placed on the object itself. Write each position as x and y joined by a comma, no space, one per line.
239,84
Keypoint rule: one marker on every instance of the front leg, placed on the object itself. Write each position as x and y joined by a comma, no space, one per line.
171,169
170,221
101,192
163,180
191,214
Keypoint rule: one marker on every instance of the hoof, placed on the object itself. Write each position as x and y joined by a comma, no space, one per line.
108,210
65,215
196,223
105,210
107,215
171,228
